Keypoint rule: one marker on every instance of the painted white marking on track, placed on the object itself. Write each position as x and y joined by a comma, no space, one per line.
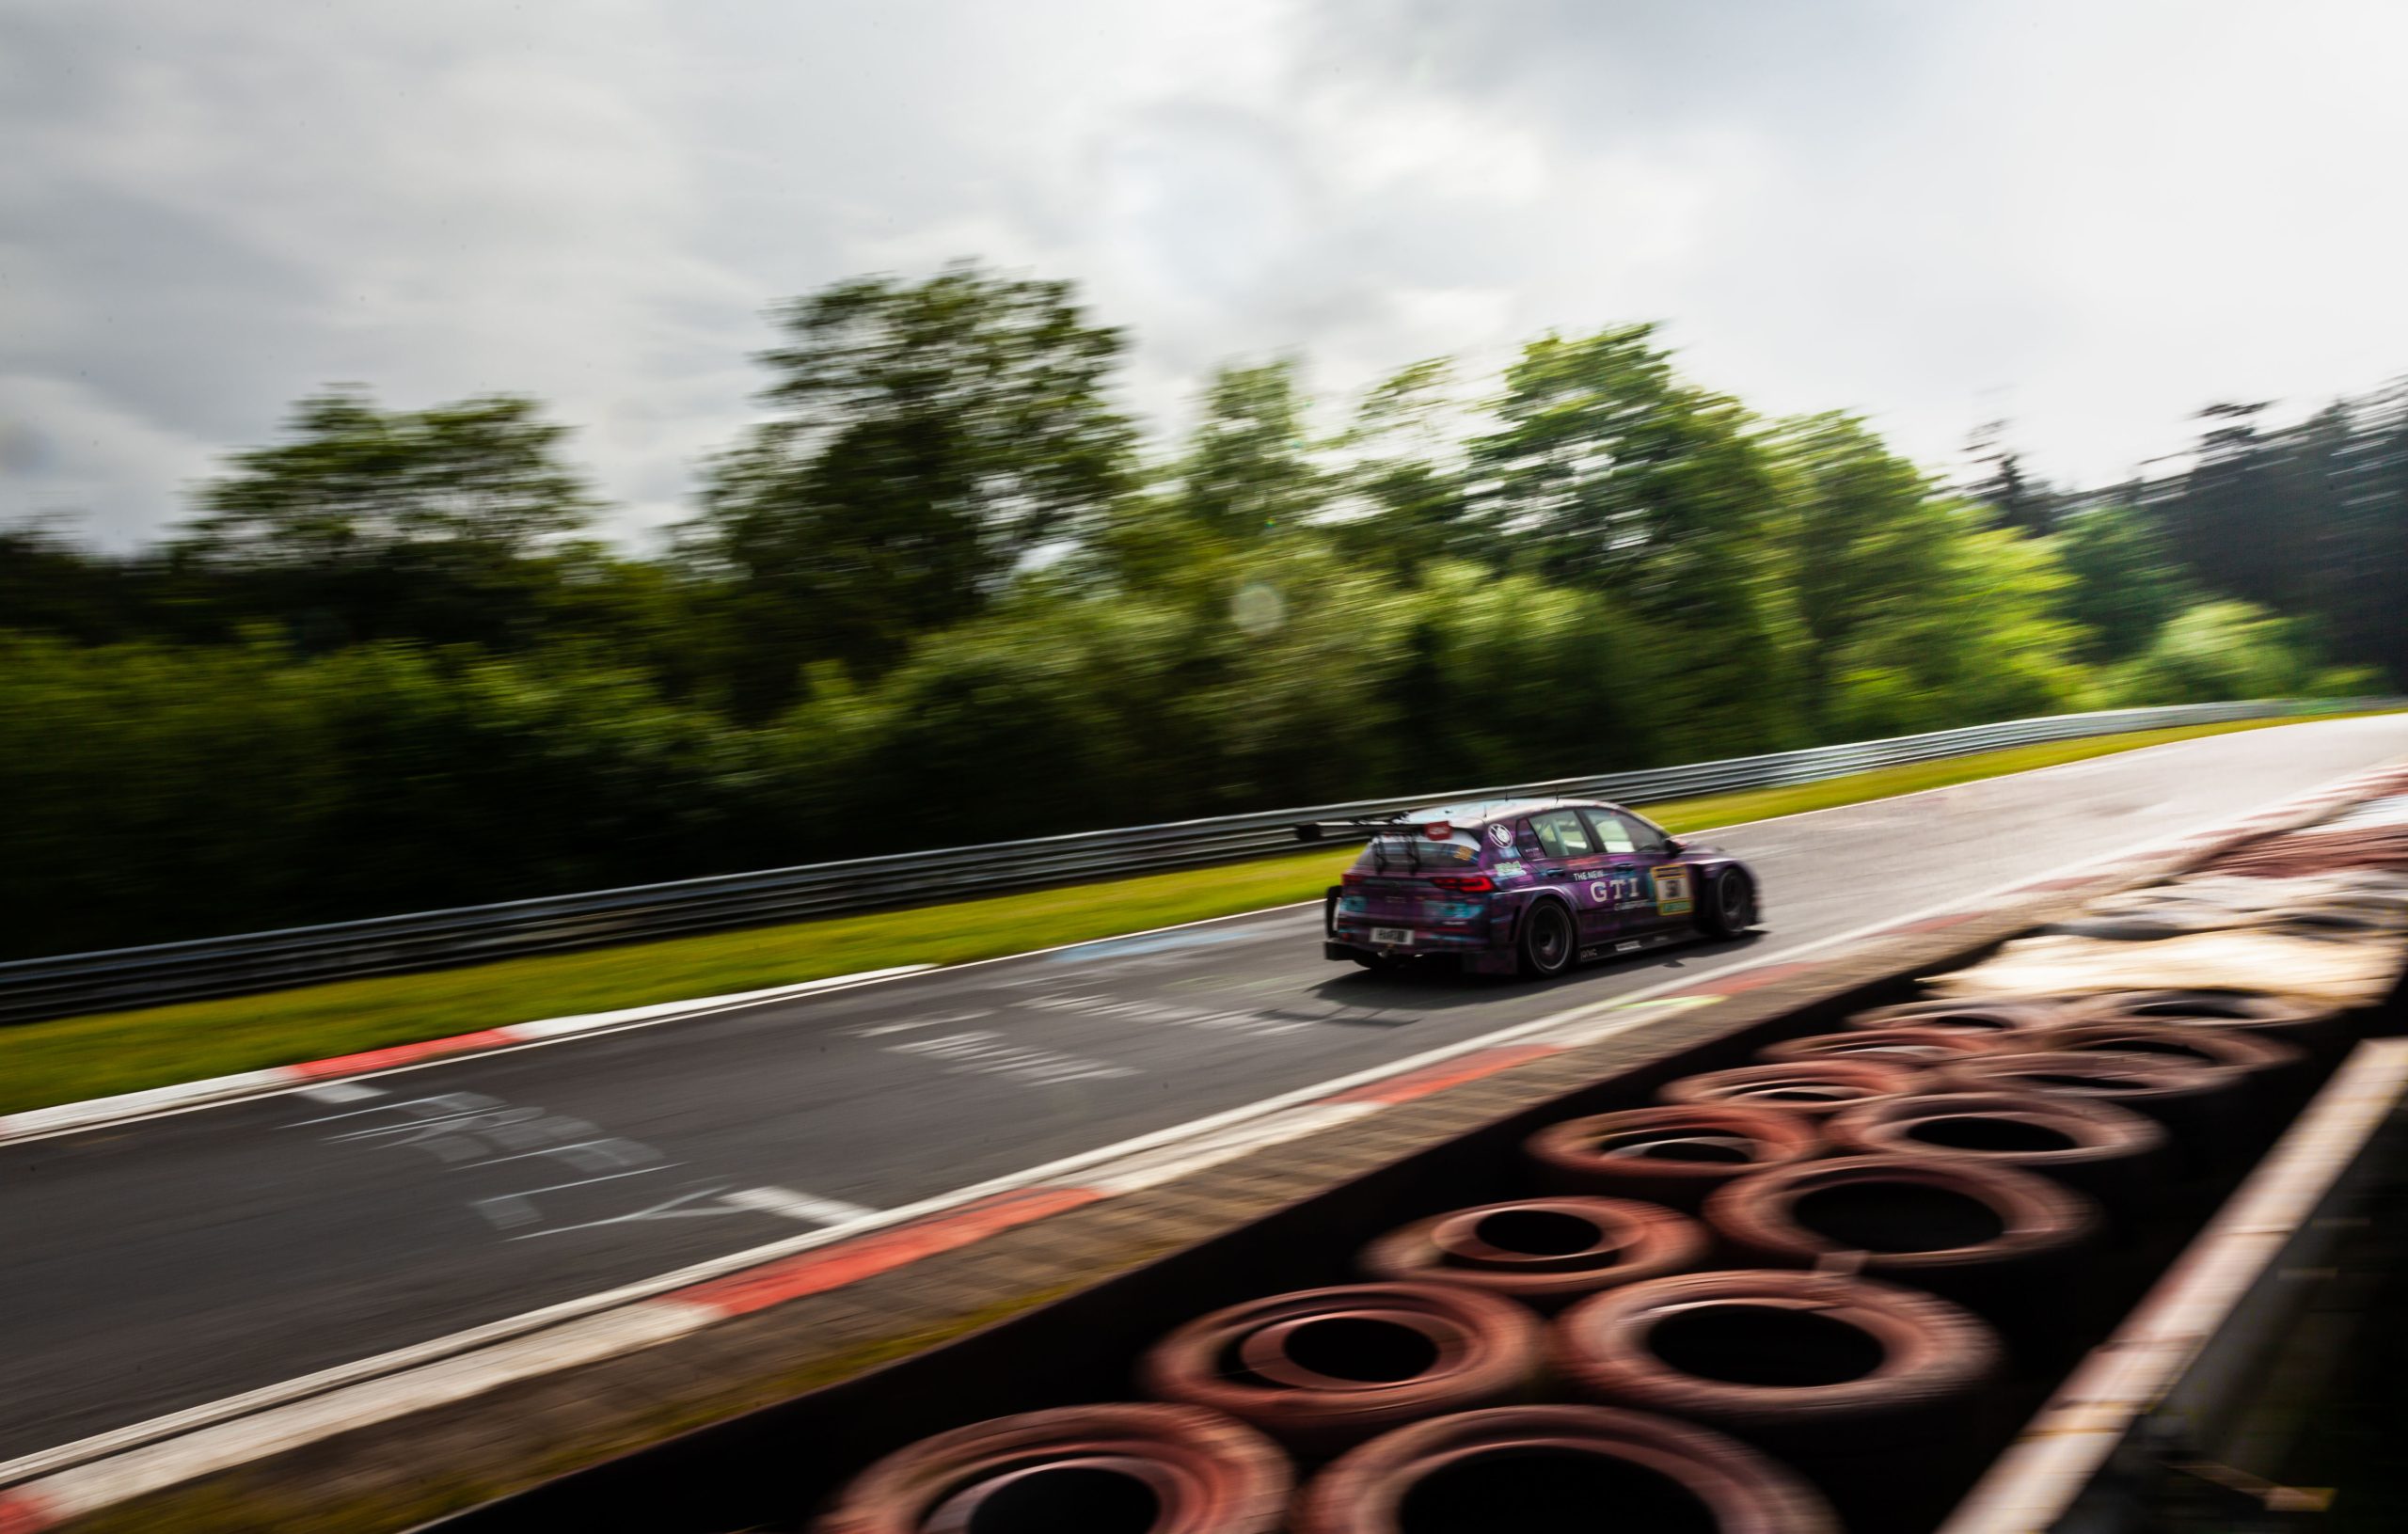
667,1208
585,1183
808,1207
981,1051
1149,1168
942,1019
341,1092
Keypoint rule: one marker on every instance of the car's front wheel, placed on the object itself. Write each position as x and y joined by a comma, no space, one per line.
1729,908
1547,942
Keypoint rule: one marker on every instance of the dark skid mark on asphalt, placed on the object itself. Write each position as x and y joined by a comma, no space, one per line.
1351,1020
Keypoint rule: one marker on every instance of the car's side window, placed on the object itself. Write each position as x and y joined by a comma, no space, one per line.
1613,831
1562,834
1646,837
1526,843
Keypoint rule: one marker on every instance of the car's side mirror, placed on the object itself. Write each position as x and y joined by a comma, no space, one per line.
1673,844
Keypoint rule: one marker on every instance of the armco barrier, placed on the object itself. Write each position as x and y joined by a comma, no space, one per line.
117,978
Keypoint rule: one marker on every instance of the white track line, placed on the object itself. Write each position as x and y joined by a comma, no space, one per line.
808,1207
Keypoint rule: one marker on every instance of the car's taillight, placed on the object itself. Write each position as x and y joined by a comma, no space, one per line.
1465,884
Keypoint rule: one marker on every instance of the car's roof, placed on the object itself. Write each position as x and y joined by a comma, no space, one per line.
1479,812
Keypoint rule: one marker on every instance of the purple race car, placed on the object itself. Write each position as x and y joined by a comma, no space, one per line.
1527,886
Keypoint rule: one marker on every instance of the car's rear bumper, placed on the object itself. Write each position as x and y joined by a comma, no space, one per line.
1485,944
1479,959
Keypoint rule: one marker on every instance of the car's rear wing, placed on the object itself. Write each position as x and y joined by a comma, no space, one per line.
1370,825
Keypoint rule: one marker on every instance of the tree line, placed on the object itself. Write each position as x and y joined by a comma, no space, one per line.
947,592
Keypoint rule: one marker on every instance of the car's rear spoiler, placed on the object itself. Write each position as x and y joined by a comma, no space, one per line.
1314,830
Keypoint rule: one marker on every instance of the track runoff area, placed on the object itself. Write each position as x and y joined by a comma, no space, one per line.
170,1270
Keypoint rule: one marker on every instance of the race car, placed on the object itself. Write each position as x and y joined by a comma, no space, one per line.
1526,886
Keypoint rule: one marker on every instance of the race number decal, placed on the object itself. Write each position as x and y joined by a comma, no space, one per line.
1672,890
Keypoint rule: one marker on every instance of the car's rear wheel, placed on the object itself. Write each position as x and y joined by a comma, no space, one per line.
1729,908
1547,942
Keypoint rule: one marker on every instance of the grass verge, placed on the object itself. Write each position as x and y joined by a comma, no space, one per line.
71,1058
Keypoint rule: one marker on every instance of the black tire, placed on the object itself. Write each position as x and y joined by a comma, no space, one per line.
1673,1156
1204,1473
1521,1467
1377,963
1530,1249
1549,942
1802,1365
1409,1350
1729,908
1998,1239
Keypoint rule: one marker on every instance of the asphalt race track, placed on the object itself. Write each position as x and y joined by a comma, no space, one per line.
164,1263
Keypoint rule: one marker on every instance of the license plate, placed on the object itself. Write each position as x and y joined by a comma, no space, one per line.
1392,934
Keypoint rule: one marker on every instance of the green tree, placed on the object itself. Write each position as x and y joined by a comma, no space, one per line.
2217,650
2122,586
1404,474
931,438
365,523
2016,501
1866,540
1985,642
1610,473
1248,468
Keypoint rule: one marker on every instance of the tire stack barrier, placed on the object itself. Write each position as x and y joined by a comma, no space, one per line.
1901,1044
2204,1104
1800,1296
1536,1468
1996,1239
1544,1252
1120,1469
1673,1155
1817,1088
2317,1029
1882,1389
1977,1015
1324,1369
2111,1154
2279,1073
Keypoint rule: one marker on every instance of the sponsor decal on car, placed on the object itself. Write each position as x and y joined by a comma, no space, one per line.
1507,870
1624,889
1501,834
1672,890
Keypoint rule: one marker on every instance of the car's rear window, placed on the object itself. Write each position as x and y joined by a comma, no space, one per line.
1402,852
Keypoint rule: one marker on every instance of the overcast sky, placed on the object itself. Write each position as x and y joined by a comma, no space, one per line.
2091,218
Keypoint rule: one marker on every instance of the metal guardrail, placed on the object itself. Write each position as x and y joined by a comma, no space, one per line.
115,979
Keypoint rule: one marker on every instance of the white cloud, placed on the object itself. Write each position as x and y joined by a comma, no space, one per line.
2094,219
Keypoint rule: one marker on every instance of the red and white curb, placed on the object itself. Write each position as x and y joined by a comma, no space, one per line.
252,1083
55,1485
